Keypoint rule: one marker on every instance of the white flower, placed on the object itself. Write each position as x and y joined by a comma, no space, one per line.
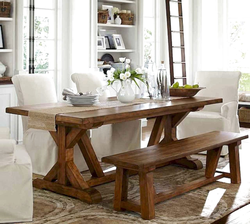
128,61
138,71
122,60
110,75
111,78
123,76
115,10
127,66
112,70
127,74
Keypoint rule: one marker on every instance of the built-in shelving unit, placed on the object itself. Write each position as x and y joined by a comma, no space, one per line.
7,55
129,32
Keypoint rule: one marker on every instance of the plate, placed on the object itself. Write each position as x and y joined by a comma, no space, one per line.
81,105
83,100
185,92
104,66
107,58
83,97
99,63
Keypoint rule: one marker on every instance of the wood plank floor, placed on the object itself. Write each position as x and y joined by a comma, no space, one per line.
242,215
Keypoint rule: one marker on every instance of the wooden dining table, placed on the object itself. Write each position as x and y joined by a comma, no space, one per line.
71,129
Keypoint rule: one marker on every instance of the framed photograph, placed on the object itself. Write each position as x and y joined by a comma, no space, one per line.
1,38
118,41
111,15
107,42
111,41
101,43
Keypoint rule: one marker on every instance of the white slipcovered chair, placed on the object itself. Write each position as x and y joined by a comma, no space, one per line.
216,117
16,193
40,89
109,139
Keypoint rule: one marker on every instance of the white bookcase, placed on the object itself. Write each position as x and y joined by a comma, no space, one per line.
7,55
130,33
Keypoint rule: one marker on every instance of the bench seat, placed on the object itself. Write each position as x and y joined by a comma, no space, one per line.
145,160
163,153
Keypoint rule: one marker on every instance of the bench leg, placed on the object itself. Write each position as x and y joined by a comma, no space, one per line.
121,188
212,161
234,162
147,194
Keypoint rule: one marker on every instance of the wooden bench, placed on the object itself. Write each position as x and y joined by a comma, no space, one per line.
145,160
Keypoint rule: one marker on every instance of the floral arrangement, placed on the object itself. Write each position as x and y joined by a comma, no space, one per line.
115,11
126,74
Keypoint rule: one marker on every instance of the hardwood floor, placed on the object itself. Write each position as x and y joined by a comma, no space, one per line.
242,215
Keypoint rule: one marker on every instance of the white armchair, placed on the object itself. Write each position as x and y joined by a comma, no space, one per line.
16,193
219,117
109,139
40,89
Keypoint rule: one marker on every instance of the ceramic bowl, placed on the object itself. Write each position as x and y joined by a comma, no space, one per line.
99,63
184,92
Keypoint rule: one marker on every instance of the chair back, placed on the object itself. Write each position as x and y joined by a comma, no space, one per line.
34,89
89,82
222,84
4,133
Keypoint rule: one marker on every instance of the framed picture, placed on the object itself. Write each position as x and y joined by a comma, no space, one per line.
111,15
107,42
101,43
111,41
1,38
119,44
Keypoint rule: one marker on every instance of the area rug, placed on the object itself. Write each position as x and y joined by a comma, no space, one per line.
204,205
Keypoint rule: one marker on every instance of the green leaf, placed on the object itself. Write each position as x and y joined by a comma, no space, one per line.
135,82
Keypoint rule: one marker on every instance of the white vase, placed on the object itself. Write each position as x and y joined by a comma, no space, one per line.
2,68
118,20
126,93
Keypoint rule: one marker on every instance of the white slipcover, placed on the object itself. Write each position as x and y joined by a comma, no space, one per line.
109,139
39,89
215,117
4,133
16,193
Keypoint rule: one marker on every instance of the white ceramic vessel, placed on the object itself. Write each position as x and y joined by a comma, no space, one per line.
126,93
2,68
118,20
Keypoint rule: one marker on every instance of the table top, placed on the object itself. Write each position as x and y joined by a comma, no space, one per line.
120,114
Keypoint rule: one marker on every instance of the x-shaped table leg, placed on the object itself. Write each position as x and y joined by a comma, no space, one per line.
64,177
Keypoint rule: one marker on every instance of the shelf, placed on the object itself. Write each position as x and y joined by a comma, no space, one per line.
118,1
5,19
175,1
180,77
116,51
5,80
5,50
115,25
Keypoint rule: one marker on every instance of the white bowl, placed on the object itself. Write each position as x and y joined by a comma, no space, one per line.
100,63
